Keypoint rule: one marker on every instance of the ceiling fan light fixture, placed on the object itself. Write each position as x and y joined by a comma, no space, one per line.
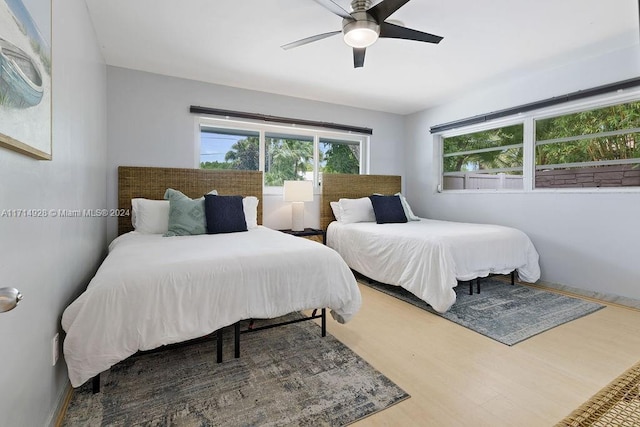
365,24
361,33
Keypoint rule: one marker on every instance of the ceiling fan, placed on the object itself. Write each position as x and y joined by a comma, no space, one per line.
363,26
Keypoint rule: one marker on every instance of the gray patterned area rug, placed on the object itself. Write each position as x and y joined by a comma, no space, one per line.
508,314
286,376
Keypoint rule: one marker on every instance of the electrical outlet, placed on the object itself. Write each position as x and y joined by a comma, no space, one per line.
55,347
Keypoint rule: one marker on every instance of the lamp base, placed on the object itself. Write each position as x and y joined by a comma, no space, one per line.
297,216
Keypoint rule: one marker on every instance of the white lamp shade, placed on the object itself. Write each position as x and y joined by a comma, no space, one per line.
298,191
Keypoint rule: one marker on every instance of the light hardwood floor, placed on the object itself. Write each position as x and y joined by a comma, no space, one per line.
457,377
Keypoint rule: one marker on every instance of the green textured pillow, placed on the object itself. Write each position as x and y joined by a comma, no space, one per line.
186,215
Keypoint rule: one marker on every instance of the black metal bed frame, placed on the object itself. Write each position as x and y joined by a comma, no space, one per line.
477,279
252,328
95,381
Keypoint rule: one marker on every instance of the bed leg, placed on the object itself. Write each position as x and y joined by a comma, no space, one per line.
219,345
513,277
471,287
95,384
236,340
478,284
324,322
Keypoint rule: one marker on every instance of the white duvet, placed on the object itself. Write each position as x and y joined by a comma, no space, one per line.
153,290
428,257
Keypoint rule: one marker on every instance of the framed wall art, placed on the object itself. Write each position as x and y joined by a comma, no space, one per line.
25,77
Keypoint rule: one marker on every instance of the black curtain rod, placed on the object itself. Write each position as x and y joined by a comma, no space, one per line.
599,90
252,116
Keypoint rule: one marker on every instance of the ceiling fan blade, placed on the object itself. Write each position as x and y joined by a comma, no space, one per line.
309,40
392,31
335,8
358,57
385,9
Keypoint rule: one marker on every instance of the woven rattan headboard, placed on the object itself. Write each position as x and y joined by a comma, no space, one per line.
151,183
336,186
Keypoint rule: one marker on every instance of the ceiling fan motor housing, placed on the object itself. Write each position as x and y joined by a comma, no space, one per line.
360,5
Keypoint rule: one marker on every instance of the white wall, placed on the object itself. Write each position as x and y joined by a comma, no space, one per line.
586,241
52,260
150,125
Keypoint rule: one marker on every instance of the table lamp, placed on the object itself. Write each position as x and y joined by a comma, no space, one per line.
298,192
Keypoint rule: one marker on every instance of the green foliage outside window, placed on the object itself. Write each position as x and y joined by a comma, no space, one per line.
342,158
244,154
287,160
512,157
215,165
577,126
612,147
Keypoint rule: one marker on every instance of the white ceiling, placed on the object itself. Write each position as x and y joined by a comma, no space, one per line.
237,43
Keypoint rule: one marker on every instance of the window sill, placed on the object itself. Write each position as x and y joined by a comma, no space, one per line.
589,190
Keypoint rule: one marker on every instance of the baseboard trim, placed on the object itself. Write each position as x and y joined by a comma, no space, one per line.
602,297
64,404
599,297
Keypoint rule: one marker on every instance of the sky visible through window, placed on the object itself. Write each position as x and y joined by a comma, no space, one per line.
214,146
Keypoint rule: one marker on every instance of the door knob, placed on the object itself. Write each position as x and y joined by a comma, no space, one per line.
9,299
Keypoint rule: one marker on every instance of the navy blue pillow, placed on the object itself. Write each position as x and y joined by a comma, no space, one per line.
224,214
388,209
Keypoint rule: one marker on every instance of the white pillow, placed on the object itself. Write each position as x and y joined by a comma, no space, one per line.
407,209
335,207
250,207
150,216
356,210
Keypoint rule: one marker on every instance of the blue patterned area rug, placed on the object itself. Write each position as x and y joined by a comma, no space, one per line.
286,376
508,314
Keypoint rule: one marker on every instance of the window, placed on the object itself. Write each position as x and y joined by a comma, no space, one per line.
339,157
282,152
229,149
593,148
591,144
490,159
288,158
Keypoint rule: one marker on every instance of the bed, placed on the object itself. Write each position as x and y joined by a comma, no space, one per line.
153,291
429,258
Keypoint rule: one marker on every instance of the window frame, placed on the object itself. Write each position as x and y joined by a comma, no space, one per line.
497,124
528,120
294,130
